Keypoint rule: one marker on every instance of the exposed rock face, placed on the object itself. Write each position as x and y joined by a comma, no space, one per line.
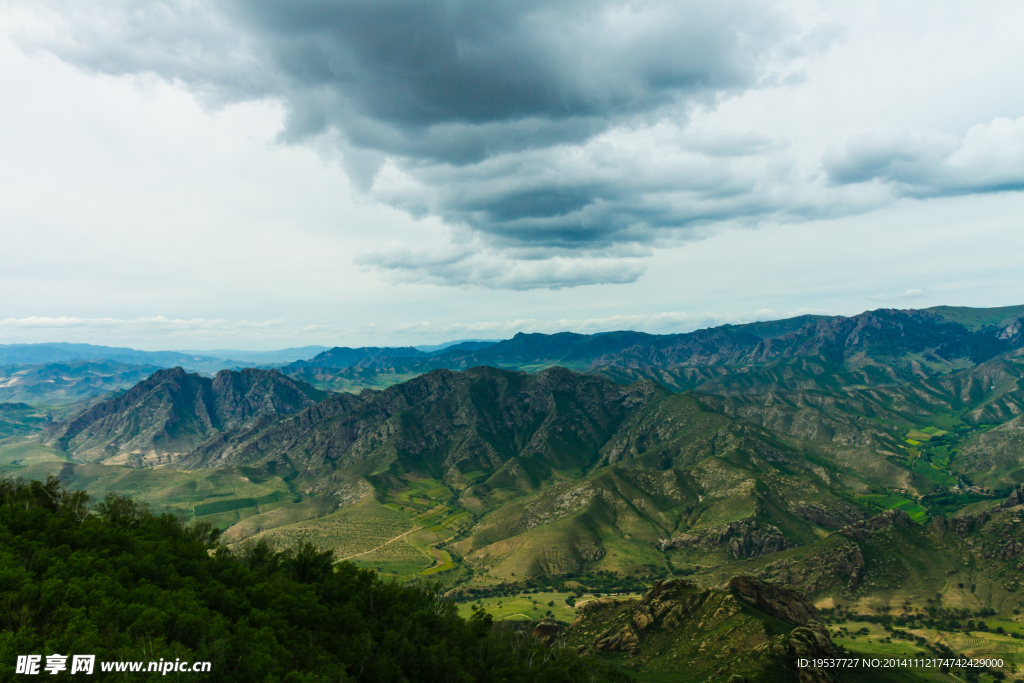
802,643
839,564
1001,447
961,526
173,411
967,524
833,517
889,518
597,604
665,606
1014,499
744,539
778,600
708,632
1011,551
810,641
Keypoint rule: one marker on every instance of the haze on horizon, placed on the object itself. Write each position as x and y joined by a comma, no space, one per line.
225,174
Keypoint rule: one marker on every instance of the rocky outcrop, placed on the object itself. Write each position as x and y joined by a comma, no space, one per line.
834,517
890,518
810,640
1014,499
961,526
599,603
667,605
710,633
839,563
546,632
1011,551
965,525
744,539
802,643
778,600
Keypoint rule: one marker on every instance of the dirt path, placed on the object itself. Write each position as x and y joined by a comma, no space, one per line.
372,550
436,553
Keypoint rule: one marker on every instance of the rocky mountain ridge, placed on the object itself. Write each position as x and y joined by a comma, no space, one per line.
173,412
878,347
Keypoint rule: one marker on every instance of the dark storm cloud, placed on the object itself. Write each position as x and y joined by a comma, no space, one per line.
517,121
430,79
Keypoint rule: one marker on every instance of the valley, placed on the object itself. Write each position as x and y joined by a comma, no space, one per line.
874,464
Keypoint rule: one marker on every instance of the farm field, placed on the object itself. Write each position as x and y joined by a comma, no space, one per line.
895,501
933,472
400,558
368,534
27,458
533,605
349,531
417,494
877,642
926,434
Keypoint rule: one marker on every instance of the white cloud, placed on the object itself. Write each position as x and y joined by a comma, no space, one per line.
989,158
477,265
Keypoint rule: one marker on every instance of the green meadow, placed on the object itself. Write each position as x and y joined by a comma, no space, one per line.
526,606
894,501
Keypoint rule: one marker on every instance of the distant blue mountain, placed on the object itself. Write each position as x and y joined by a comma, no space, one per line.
288,355
61,352
464,344
344,356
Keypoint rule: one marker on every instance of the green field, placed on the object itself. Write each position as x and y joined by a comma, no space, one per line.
442,563
895,501
529,606
403,558
878,642
348,531
934,473
418,494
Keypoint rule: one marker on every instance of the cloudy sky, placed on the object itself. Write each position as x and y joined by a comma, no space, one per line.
259,174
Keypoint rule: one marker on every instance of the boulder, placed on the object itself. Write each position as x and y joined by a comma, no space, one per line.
546,632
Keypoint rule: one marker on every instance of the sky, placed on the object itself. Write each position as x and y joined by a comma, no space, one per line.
193,174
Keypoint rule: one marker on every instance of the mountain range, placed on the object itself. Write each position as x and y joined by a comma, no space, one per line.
874,462
60,352
875,347
69,381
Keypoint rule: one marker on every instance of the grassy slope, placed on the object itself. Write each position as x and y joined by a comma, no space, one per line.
228,496
528,606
